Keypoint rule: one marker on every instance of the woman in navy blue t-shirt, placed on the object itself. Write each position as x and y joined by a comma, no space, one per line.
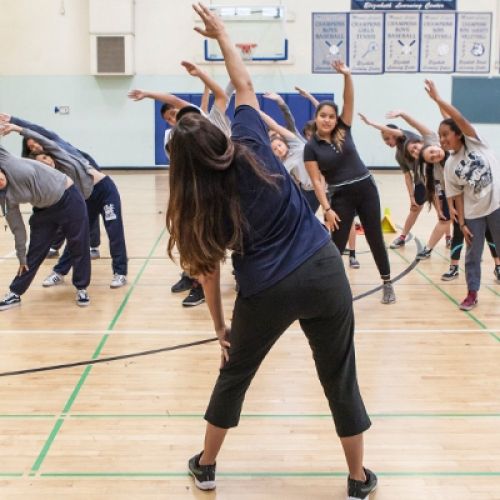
234,194
331,153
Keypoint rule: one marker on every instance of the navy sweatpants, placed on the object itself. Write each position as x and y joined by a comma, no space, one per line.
69,214
104,200
95,237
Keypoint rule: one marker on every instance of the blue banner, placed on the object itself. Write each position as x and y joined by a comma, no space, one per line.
399,5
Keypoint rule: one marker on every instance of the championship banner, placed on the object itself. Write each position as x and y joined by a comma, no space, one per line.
420,5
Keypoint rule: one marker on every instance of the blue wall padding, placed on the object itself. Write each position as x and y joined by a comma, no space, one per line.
301,109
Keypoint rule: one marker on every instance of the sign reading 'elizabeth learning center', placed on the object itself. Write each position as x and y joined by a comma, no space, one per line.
422,5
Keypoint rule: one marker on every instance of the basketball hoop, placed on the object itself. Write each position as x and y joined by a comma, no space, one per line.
246,50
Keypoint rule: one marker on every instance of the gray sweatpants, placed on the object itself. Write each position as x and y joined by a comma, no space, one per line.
475,250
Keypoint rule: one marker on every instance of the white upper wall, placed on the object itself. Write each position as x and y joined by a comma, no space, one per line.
46,63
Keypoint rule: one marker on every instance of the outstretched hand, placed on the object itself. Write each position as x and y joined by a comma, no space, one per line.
431,89
7,128
340,67
4,118
396,113
364,119
214,27
273,96
137,95
191,68
301,91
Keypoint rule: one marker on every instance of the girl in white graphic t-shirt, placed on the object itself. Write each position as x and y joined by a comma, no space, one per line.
472,178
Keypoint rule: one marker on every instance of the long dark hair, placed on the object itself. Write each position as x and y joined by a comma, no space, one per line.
338,134
204,217
427,173
454,127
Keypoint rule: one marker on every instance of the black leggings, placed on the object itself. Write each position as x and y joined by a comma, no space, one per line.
457,242
317,293
361,198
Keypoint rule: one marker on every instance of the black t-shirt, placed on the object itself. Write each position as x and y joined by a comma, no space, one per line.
281,231
338,166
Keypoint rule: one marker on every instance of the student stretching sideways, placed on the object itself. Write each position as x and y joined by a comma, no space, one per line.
217,115
434,159
414,147
472,183
57,203
101,197
395,137
30,147
331,152
287,268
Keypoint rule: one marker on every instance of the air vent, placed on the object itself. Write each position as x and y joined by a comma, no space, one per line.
111,54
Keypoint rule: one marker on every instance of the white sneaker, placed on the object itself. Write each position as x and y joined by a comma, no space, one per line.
53,279
118,281
82,298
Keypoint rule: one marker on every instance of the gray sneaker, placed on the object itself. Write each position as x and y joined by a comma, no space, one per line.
118,281
388,295
398,242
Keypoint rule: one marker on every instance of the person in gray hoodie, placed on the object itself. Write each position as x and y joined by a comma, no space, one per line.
100,194
57,203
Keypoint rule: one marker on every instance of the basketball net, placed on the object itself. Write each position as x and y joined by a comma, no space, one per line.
246,50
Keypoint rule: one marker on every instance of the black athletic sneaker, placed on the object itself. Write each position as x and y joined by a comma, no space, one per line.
424,254
451,274
204,475
9,301
183,285
196,296
359,490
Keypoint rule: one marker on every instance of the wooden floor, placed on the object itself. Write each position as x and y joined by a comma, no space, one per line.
429,374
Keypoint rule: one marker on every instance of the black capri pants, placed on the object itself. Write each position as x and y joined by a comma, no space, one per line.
317,294
360,198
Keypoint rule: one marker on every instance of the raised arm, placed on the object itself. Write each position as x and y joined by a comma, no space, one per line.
220,97
276,127
448,109
16,225
307,95
173,100
423,130
205,97
49,134
285,110
214,28
348,106
396,132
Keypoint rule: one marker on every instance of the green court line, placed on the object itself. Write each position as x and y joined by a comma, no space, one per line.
450,298
11,474
274,474
22,416
463,270
67,407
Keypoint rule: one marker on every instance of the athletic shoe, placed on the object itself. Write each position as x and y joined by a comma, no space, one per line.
82,298
469,302
118,281
496,272
448,242
53,253
360,490
53,279
398,242
9,301
183,285
451,274
424,254
95,253
196,296
204,475
388,295
353,262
